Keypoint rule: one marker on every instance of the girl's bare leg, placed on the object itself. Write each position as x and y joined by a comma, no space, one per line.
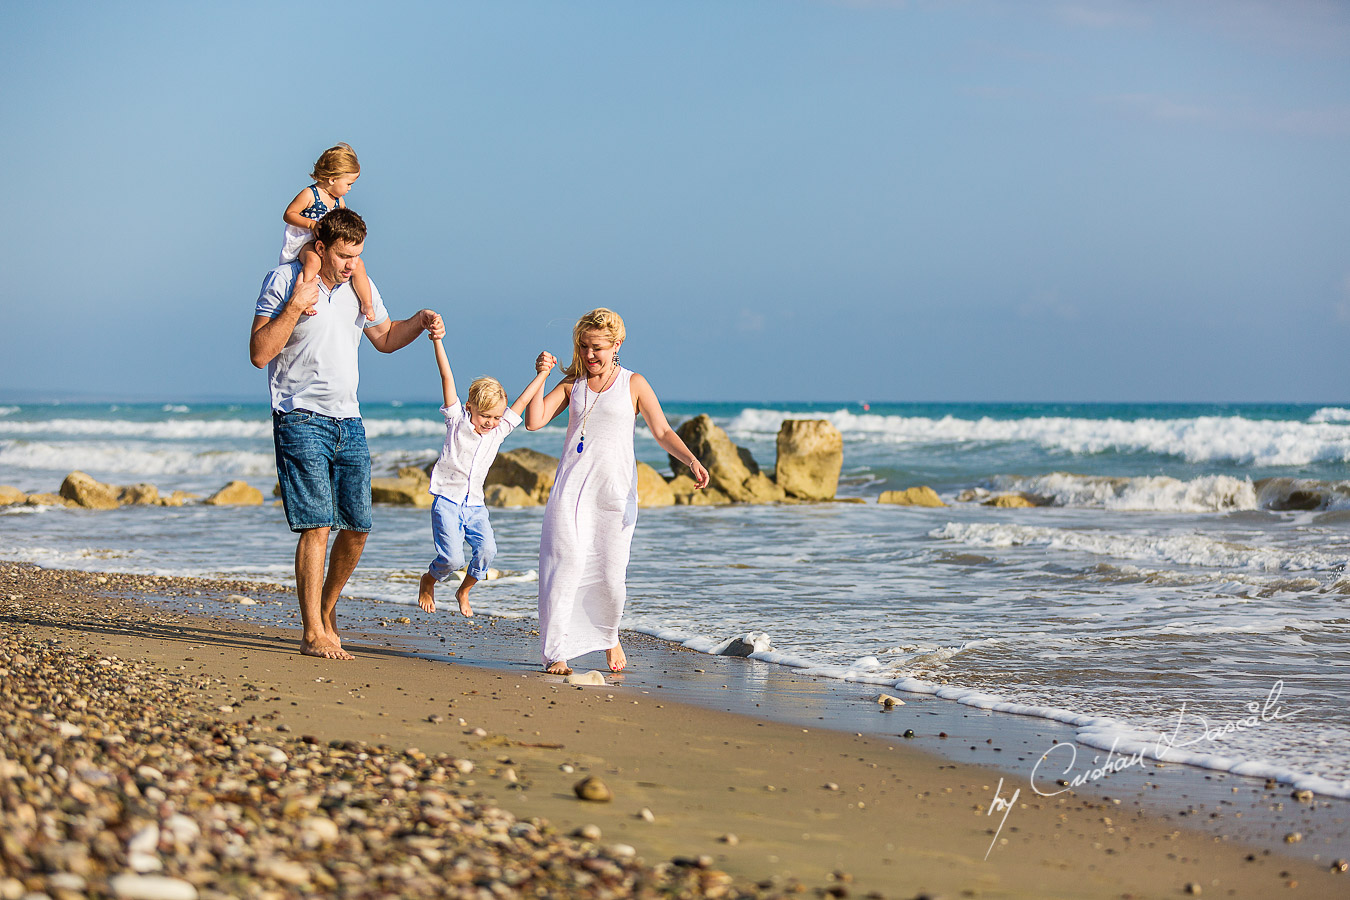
426,592
616,658
462,595
309,261
361,284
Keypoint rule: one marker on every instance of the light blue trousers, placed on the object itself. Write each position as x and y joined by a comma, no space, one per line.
452,525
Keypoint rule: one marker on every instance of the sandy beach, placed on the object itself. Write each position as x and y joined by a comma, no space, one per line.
706,801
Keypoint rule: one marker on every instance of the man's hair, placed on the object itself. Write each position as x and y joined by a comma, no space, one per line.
341,225
484,394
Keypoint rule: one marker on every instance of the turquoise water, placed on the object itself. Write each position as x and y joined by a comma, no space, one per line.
1186,556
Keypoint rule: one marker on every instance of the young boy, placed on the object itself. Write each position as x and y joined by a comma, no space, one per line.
473,433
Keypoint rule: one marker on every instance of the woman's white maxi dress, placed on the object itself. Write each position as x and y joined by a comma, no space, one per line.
588,526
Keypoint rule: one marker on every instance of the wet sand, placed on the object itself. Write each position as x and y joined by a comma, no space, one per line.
782,782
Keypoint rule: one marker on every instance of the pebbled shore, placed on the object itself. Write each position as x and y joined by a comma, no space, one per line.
142,739
117,779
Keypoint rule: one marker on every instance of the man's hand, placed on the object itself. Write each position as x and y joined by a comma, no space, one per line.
430,322
305,296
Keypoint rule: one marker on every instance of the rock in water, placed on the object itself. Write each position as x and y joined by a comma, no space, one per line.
590,678
82,490
400,492
915,496
731,469
11,495
752,642
236,493
531,471
140,494
652,488
1010,501
810,458
593,789
503,495
888,701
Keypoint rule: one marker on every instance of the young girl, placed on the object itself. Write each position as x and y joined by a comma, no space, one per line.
588,523
474,431
334,174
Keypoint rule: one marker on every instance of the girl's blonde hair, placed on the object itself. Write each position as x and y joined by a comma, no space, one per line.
607,322
335,162
485,393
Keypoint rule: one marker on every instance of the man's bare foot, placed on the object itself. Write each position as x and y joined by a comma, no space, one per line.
462,595
325,649
559,668
616,658
426,593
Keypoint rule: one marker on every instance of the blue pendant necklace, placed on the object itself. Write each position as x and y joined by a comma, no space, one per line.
586,411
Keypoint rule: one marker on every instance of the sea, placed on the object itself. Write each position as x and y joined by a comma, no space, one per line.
1180,592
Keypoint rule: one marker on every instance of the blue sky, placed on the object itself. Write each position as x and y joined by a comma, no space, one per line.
787,200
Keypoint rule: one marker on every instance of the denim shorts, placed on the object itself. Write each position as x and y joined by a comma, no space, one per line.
323,465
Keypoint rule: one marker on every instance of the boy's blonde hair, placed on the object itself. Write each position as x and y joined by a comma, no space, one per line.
335,162
485,393
607,322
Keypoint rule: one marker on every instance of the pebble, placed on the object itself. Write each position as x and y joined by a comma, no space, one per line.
646,815
151,887
729,839
588,832
1303,796
1293,837
593,789
889,702
592,677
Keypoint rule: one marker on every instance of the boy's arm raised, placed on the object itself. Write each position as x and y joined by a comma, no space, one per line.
543,364
447,376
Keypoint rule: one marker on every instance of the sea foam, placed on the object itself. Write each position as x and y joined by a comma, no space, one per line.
1235,439
1184,549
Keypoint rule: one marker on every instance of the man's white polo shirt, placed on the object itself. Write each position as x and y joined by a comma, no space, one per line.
316,370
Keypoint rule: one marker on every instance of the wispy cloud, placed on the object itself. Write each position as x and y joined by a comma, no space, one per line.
1105,14
1048,305
1330,121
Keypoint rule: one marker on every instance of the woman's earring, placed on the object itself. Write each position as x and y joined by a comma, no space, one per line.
616,360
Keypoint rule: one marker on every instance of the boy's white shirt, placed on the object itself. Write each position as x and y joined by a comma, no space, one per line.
466,455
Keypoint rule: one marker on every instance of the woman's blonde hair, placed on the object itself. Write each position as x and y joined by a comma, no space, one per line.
607,322
485,393
335,162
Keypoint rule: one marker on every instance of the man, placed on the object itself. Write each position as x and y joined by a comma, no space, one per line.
307,336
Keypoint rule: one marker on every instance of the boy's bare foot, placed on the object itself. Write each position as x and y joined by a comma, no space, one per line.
462,595
616,658
426,593
325,649
559,668
368,310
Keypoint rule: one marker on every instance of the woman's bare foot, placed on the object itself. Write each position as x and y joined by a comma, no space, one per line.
616,658
559,668
324,649
462,595
426,593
